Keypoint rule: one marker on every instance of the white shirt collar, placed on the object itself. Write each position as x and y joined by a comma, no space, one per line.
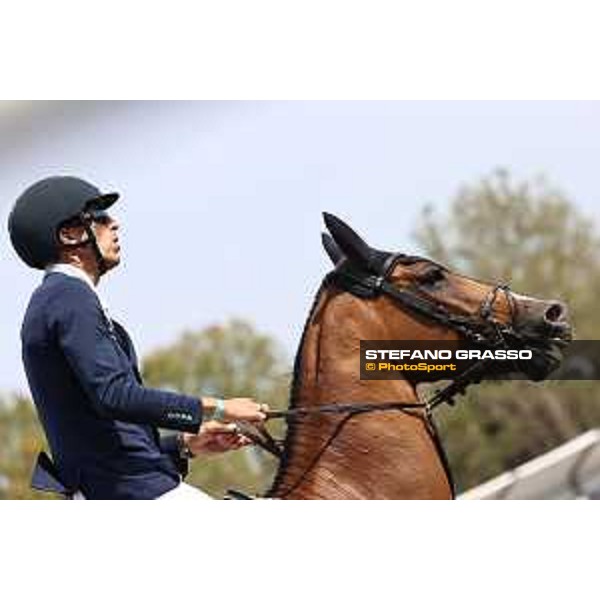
73,271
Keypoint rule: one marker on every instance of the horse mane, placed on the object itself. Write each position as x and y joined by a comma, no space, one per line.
294,390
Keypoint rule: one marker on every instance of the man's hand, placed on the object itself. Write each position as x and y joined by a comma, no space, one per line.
239,409
214,438
245,409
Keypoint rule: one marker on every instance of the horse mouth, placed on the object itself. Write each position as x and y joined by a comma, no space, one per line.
548,352
547,347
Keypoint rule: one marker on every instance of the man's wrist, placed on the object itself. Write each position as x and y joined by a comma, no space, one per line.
213,409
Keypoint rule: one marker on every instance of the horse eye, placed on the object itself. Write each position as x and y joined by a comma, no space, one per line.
432,276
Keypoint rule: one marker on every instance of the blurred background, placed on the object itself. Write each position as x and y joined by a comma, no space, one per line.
221,215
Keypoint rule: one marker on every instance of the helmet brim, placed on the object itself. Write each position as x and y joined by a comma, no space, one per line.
103,202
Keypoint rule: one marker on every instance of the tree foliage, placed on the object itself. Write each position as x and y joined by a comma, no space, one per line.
533,236
22,439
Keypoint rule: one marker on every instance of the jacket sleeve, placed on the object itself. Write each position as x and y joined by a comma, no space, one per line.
104,372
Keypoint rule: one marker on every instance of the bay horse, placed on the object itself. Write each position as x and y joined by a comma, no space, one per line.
377,295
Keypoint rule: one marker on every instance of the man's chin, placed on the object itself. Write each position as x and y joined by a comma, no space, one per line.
112,262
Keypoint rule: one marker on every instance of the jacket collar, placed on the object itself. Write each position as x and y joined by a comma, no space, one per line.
73,271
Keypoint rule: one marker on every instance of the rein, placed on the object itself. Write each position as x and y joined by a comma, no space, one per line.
260,436
445,395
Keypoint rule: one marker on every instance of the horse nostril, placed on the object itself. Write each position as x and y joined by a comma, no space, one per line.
554,312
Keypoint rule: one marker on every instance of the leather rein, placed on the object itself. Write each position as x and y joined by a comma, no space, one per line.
481,329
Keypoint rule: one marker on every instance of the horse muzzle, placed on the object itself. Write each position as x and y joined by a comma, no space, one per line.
544,328
542,320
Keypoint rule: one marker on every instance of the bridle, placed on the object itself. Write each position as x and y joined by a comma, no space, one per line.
481,329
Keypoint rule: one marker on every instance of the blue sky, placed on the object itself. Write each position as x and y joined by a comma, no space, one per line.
222,201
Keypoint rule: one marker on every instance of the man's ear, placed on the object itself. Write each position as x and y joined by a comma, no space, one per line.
72,236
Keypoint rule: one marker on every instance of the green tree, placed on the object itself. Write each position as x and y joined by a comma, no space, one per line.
22,439
227,361
532,235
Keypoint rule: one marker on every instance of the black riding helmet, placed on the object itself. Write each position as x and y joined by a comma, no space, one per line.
43,207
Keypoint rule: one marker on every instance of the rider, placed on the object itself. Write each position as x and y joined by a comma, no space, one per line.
100,421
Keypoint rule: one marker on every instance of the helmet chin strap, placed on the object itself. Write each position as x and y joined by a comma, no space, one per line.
100,260
90,240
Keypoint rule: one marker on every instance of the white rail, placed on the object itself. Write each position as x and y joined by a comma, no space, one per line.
569,471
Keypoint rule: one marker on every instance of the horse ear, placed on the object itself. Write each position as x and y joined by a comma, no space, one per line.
348,241
332,249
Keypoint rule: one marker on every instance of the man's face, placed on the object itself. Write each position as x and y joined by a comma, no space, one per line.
106,230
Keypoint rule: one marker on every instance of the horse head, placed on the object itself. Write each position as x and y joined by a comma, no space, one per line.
420,299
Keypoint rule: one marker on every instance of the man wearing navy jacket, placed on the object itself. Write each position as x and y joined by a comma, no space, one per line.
100,421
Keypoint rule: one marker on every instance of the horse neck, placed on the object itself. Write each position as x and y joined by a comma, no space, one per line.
373,455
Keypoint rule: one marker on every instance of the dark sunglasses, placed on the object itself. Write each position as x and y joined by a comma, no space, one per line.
100,216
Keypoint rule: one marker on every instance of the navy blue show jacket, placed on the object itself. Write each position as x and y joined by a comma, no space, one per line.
100,421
